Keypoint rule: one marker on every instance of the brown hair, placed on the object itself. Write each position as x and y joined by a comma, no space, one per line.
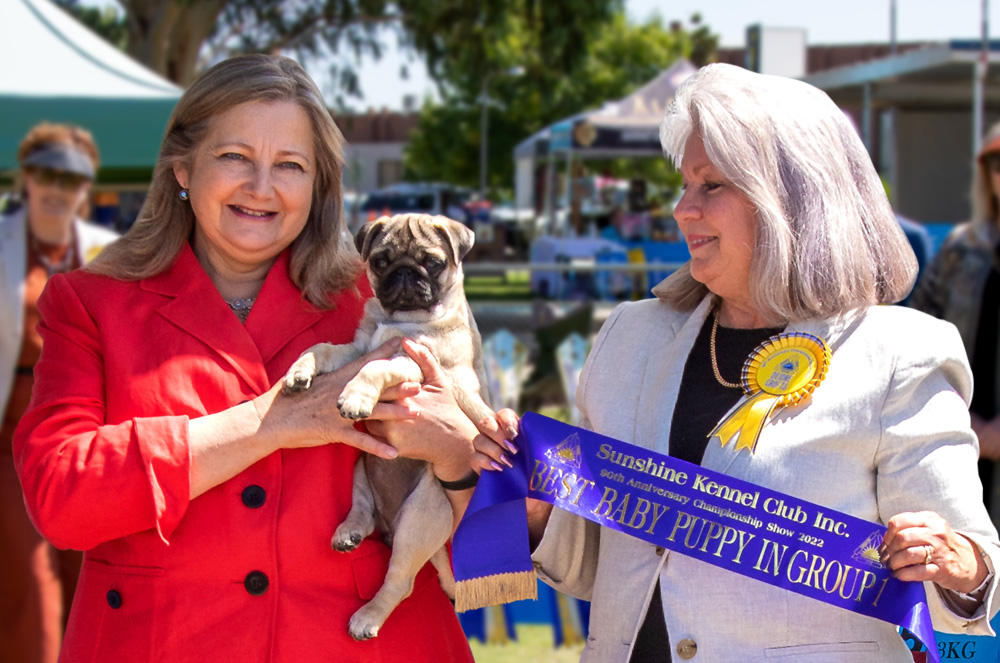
47,133
322,262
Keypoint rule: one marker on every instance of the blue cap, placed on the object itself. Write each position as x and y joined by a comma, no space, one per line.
63,157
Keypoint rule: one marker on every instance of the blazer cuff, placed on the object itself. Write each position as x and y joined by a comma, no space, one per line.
163,445
949,612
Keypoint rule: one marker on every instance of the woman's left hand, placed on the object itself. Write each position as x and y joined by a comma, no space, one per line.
922,546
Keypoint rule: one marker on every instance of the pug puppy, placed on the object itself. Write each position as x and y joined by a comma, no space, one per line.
414,264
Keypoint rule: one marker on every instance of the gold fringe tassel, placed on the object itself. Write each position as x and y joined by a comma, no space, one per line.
495,590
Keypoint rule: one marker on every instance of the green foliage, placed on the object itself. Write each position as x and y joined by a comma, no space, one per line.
105,21
617,58
460,40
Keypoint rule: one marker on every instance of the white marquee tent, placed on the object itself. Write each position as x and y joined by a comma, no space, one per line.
56,69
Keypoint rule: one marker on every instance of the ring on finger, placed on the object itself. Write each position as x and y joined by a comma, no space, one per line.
928,549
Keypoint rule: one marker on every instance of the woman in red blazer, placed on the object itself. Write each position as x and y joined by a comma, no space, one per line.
204,499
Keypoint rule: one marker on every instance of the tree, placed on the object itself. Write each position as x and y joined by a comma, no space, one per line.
176,37
620,57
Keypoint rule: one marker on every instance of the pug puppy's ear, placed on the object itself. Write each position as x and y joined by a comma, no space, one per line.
456,236
368,234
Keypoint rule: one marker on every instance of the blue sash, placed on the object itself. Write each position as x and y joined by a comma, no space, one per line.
727,522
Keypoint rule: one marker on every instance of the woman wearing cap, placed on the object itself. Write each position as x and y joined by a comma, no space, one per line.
46,235
962,285
790,234
158,439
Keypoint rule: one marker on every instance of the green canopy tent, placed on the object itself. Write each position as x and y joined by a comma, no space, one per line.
58,70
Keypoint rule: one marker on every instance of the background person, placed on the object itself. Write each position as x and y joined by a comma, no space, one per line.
789,230
44,236
962,285
205,499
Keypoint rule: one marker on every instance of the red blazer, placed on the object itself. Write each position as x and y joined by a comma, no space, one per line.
243,572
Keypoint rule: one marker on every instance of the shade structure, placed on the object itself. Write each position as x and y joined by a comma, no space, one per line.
58,70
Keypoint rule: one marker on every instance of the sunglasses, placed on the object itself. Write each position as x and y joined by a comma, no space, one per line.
65,181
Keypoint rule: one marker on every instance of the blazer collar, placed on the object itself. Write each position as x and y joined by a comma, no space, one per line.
196,307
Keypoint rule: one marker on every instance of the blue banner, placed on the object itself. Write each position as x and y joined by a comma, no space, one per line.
748,529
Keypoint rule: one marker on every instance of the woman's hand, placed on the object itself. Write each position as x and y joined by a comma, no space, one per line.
496,444
310,418
922,546
428,424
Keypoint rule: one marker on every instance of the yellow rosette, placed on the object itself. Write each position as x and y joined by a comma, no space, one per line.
781,371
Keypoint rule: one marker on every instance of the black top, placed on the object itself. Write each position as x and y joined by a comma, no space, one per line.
984,362
701,403
984,355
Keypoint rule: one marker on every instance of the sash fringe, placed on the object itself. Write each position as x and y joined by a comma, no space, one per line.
494,590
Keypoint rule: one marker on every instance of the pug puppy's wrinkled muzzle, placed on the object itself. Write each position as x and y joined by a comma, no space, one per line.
415,268
407,289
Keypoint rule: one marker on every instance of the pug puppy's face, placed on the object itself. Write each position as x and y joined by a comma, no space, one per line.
413,259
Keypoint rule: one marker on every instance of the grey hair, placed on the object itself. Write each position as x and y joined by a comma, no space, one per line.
985,207
827,241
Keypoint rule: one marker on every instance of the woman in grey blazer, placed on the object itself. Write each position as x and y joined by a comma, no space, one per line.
789,231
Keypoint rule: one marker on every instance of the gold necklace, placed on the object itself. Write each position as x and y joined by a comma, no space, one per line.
715,362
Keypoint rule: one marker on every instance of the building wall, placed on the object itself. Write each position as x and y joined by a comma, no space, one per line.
371,166
934,161
374,150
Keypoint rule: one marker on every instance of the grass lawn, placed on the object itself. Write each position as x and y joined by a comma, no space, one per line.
533,645
513,286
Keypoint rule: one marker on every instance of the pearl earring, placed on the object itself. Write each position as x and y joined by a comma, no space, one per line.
184,195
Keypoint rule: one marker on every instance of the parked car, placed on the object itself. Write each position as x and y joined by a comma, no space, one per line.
520,226
427,198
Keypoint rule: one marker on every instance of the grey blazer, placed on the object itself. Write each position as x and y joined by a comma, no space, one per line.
886,432
13,262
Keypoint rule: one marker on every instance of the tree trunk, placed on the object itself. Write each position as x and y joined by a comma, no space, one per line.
167,35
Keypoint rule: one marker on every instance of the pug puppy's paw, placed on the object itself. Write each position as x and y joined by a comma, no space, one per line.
356,404
345,539
300,375
363,625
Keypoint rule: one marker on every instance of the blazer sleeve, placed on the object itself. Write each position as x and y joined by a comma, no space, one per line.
566,557
927,455
85,481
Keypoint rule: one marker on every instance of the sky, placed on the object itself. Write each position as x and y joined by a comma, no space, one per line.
825,22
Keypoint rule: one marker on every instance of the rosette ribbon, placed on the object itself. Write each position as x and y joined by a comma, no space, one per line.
781,371
732,524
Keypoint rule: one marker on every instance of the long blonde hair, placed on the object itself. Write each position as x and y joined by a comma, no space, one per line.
827,239
322,262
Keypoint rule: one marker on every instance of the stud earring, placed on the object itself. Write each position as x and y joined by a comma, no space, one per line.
184,195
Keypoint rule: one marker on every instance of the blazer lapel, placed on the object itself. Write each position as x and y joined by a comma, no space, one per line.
662,379
196,307
280,313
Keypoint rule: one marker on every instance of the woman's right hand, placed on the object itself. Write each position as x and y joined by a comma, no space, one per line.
311,418
497,441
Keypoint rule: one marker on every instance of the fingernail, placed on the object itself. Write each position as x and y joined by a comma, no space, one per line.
510,446
496,466
391,453
505,460
511,432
